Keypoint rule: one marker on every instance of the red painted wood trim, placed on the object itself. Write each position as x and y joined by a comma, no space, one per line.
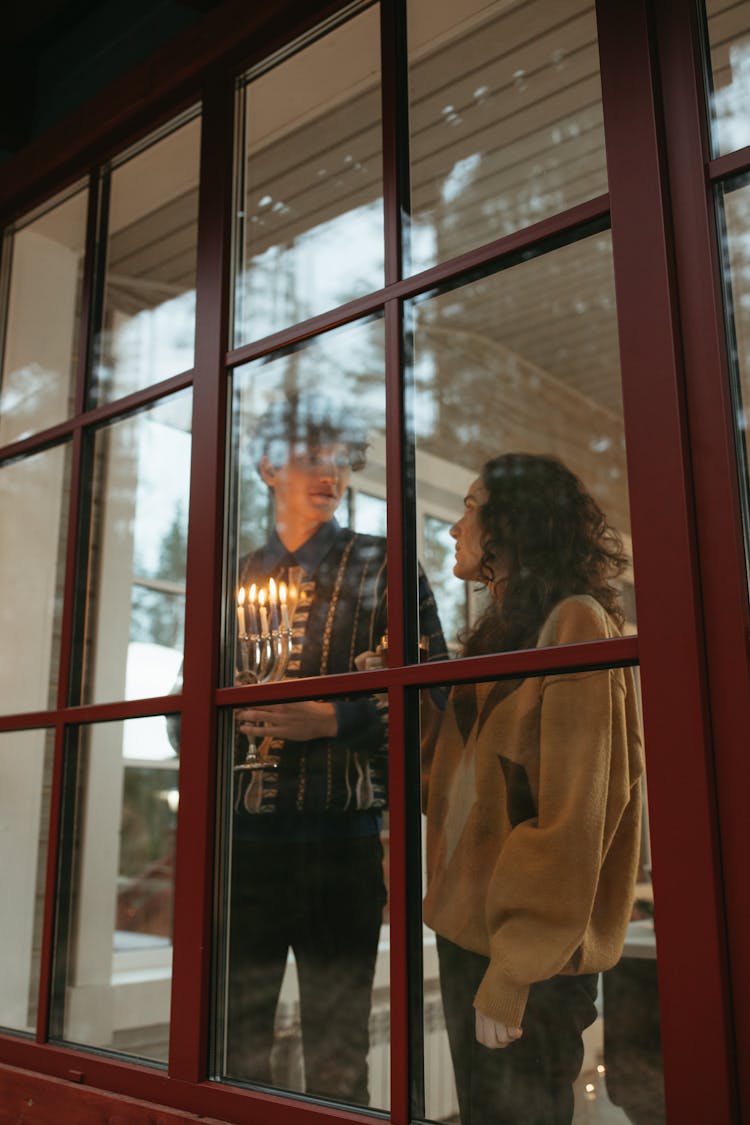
189,1024
612,653
712,422
50,883
400,601
399,910
732,164
561,658
689,914
100,415
72,1094
93,713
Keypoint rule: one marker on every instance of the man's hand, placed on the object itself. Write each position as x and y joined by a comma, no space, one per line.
297,722
492,1034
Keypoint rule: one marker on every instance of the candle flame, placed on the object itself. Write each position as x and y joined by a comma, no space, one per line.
253,593
293,593
282,593
272,588
262,595
241,596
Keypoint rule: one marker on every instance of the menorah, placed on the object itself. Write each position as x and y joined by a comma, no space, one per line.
264,634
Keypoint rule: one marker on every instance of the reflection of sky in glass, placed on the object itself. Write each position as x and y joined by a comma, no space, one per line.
369,514
731,102
449,591
160,514
152,345
162,489
150,667
326,266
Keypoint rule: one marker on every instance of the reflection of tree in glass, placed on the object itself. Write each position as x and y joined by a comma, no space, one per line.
158,613
450,593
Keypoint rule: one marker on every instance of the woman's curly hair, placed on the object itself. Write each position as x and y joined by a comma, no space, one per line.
556,540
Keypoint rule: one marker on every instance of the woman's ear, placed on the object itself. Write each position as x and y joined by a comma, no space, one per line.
267,472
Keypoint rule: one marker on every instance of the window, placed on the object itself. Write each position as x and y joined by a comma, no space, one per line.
393,250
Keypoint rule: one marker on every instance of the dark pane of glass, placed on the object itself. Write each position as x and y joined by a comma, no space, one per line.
539,907
303,967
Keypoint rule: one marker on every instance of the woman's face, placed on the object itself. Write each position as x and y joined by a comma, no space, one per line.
468,535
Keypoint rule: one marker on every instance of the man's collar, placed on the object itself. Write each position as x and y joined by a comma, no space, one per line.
309,556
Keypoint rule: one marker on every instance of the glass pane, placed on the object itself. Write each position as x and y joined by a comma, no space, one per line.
43,262
34,495
25,782
506,118
729,42
517,402
136,585
303,963
148,319
113,946
310,212
736,259
305,501
538,911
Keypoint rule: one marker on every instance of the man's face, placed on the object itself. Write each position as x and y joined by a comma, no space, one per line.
308,487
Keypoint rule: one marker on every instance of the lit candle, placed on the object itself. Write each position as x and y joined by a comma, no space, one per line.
263,611
272,603
241,612
284,610
253,611
242,635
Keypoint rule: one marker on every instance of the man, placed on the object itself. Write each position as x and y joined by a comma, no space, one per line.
307,859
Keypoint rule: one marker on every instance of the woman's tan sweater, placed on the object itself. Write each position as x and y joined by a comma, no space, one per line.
533,819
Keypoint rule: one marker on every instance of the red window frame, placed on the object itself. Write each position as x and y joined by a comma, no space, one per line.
683,501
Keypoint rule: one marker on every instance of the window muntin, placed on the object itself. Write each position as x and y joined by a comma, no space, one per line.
523,360
622,1063
309,232
113,936
34,498
506,119
728,31
137,548
42,258
303,930
25,782
335,379
150,209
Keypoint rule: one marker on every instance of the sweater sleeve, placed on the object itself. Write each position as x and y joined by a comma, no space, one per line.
544,884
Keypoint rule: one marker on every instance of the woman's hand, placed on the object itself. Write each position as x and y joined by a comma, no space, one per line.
297,722
492,1034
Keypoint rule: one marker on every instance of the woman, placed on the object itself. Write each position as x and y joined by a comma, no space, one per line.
534,800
